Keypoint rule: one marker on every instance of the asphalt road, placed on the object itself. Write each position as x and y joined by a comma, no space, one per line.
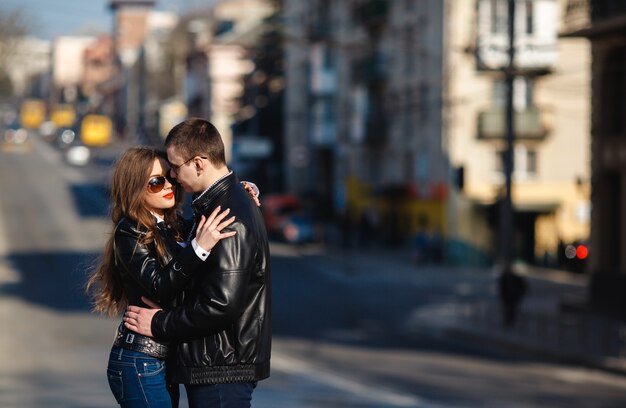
341,338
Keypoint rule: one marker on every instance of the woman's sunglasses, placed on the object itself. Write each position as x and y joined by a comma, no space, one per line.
157,183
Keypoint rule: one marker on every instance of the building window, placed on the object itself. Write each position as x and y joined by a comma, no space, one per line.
522,93
424,95
409,166
499,16
529,14
409,55
408,111
525,162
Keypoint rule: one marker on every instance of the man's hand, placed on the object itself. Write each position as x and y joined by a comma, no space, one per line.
139,319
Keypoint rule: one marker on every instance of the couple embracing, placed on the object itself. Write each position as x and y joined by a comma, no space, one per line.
196,295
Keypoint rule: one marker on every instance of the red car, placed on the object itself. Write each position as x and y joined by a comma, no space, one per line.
285,219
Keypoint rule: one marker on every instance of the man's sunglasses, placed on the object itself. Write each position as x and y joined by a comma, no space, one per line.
157,183
176,167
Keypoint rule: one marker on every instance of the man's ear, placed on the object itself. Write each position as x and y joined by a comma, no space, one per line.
199,164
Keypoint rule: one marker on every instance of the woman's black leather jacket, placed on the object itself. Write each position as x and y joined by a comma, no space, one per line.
143,274
223,327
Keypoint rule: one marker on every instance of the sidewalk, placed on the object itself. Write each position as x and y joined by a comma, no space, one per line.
545,328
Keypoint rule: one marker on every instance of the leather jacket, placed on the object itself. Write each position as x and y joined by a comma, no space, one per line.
142,274
223,327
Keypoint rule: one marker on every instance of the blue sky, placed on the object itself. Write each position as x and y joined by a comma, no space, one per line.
51,18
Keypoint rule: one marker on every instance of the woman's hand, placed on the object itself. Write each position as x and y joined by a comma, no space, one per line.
253,190
209,229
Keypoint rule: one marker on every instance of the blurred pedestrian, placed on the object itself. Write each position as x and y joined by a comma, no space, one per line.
512,288
368,226
421,242
223,327
146,255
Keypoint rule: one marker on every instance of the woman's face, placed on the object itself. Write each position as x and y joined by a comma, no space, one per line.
159,190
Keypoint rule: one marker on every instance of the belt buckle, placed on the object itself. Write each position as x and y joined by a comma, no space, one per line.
130,338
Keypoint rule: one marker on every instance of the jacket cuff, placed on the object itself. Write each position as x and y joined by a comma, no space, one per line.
157,324
189,259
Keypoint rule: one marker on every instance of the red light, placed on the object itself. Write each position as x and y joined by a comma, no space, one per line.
581,252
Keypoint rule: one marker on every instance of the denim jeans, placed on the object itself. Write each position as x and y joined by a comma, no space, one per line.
237,395
137,380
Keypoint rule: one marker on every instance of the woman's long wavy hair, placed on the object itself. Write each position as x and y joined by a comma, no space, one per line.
128,192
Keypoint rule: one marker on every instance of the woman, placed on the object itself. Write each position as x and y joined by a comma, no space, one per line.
146,256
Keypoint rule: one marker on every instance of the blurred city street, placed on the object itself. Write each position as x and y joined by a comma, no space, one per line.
443,185
351,328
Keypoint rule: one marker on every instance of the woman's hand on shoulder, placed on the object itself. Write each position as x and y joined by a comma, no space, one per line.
253,190
209,231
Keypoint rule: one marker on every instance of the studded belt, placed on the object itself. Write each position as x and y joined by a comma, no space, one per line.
130,340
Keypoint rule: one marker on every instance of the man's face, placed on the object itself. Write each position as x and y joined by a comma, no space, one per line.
183,169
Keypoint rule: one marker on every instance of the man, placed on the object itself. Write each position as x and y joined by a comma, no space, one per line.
223,327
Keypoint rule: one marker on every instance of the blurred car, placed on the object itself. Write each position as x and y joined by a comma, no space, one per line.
68,140
48,130
285,219
65,137
573,256
96,130
78,155
15,134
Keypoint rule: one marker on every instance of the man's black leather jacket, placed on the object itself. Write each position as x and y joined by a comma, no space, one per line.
223,327
142,274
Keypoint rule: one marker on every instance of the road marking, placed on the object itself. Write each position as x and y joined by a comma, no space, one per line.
293,366
586,376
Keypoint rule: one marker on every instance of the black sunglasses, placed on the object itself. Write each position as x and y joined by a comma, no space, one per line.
157,183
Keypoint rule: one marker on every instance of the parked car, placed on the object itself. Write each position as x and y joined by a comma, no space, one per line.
15,134
573,256
286,220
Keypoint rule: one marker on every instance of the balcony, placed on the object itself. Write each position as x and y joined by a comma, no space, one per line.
529,124
535,36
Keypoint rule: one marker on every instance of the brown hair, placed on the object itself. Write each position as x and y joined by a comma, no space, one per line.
197,137
128,187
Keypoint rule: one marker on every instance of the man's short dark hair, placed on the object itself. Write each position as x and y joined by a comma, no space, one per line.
197,137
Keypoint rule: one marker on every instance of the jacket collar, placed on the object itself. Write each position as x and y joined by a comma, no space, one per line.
197,196
209,199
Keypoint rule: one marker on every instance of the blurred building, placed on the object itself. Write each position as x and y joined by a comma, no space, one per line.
99,65
130,27
234,33
68,68
127,88
399,105
30,67
364,88
603,23
552,148
188,65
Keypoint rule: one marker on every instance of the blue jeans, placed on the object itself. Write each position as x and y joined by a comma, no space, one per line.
237,395
137,380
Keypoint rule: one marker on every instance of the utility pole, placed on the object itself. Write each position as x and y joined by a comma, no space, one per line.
506,209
